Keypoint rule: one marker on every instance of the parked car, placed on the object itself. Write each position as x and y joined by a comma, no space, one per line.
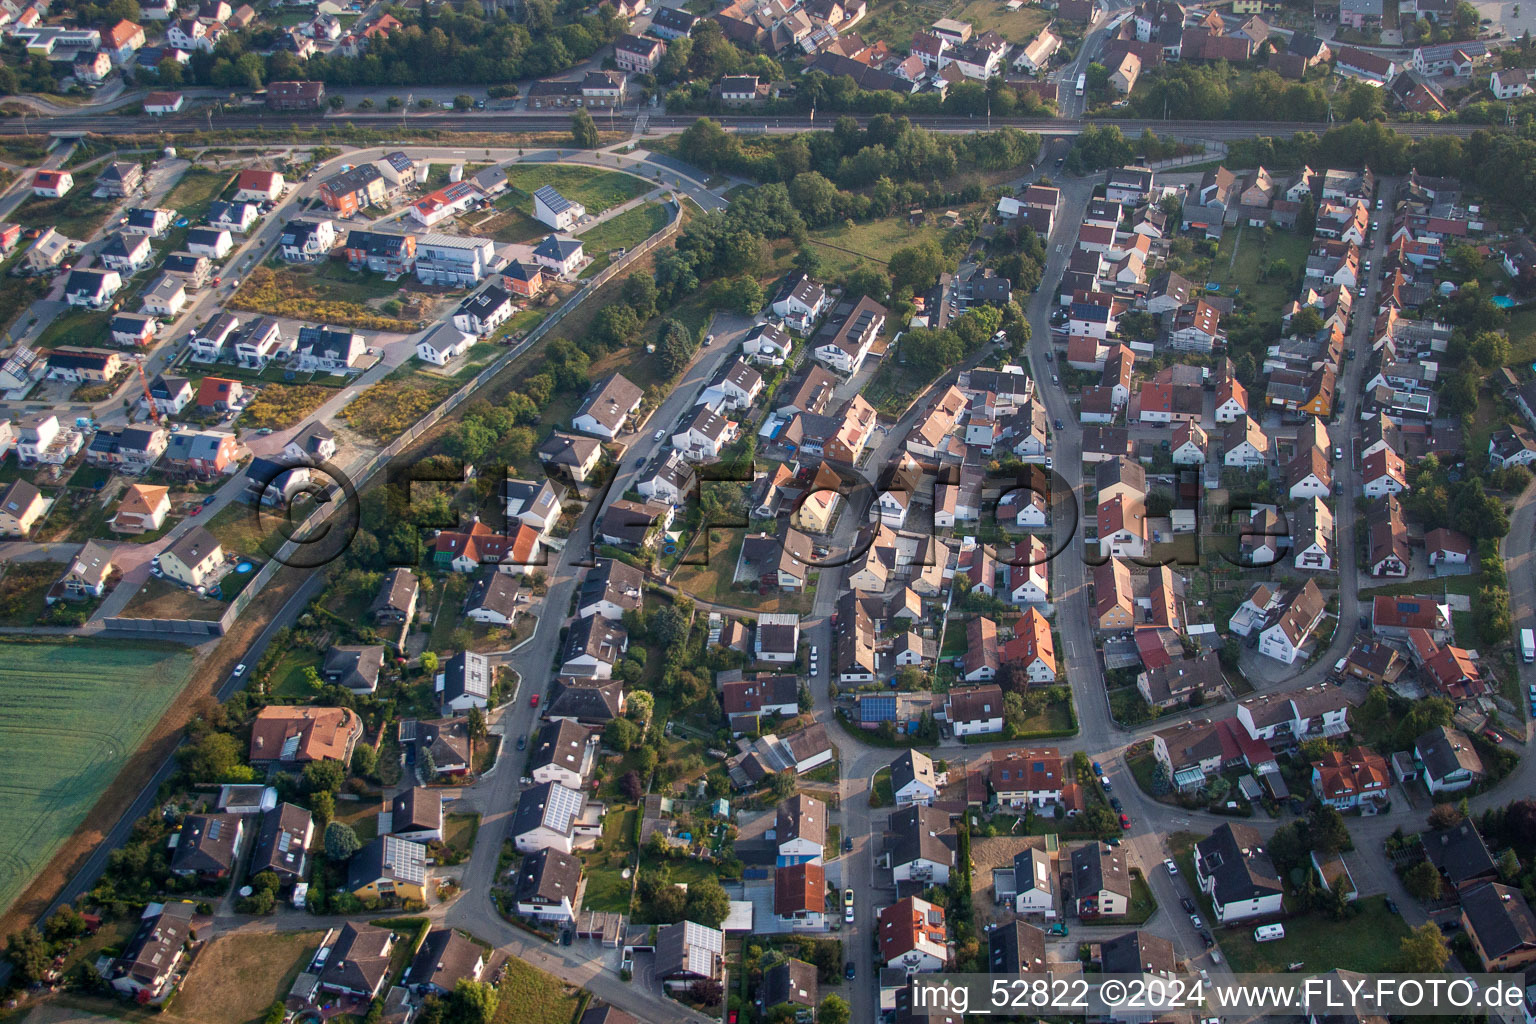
658,435
522,743
1392,906
1188,904
1097,768
1173,869
1194,919
1114,802
1104,781
533,701
1493,737
848,905
1205,937
847,844
848,970
1125,822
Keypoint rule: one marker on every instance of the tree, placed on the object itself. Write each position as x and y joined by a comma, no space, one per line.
834,1009
1444,816
808,260
675,345
322,806
1306,322
214,757
645,760
429,662
641,705
29,954
1338,902
784,784
276,1013
745,296
1423,882
707,902
631,787
583,131
324,776
1509,866
667,903
1423,950
641,294
621,734
474,723
471,1002
66,923
340,841
917,267
365,760
1326,830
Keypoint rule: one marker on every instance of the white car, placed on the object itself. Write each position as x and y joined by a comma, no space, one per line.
239,670
814,651
658,435
848,905
1194,919
1173,869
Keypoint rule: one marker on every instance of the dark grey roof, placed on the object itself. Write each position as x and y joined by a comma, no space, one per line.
280,845
417,809
789,981
1233,855
359,958
208,843
1016,948
1500,918
587,700
547,804
355,666
1097,868
548,876
495,592
446,956
562,744
156,941
909,766
467,674
612,580
1460,853
916,833
1137,953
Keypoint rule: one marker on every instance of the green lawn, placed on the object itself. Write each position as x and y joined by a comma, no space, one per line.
288,678
73,713
1468,584
196,189
459,831
1368,943
1143,903
1018,26
75,326
712,582
880,794
607,889
530,996
1254,252
77,215
1522,336
241,529
592,187
843,249
625,231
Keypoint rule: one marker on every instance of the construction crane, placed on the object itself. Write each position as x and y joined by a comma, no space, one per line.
149,399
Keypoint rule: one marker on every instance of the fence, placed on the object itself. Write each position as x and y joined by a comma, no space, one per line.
360,476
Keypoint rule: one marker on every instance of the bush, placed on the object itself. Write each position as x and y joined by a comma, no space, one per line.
280,406
286,294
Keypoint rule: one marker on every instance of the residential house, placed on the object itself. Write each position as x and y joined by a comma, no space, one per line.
1449,759
1101,884
1232,868
297,735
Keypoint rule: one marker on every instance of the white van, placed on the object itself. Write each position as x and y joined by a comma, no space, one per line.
1268,932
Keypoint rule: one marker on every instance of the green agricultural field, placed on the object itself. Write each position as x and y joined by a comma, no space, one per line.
592,187
71,714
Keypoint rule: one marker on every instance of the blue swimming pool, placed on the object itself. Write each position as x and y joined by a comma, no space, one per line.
1502,301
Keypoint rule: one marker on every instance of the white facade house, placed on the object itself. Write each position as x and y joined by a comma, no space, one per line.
1232,868
553,209
443,344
